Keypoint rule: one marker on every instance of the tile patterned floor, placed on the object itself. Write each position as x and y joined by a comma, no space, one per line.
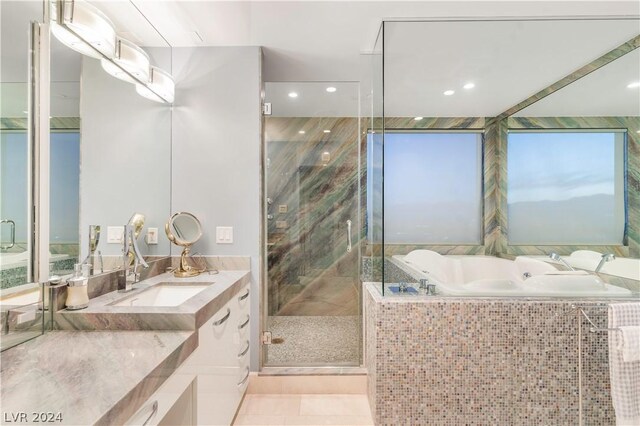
315,340
304,409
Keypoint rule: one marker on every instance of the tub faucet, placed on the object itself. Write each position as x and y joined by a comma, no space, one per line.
130,275
555,256
607,257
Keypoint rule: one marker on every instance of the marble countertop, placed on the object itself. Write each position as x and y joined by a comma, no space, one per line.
190,315
84,378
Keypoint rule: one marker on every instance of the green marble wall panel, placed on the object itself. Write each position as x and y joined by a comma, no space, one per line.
313,184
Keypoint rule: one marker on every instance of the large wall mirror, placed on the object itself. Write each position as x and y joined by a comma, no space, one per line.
584,200
21,317
110,153
110,157
525,142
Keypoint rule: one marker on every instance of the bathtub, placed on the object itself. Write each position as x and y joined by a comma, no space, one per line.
491,276
621,266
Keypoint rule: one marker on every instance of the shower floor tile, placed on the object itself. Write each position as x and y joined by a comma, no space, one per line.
314,341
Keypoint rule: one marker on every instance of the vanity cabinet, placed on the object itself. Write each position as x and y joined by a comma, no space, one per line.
208,387
221,361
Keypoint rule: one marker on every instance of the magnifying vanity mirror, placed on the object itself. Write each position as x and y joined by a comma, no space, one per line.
184,229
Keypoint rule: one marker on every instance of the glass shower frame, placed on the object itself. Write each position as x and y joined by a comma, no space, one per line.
312,229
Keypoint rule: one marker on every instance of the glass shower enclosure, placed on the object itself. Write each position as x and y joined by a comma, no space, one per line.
312,225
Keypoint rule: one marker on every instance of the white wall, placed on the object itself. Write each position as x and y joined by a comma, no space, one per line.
216,152
125,159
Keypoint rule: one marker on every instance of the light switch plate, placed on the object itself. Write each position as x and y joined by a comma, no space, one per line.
115,234
283,208
224,234
152,235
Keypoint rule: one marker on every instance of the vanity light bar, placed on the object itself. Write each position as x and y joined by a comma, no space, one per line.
129,60
83,28
160,88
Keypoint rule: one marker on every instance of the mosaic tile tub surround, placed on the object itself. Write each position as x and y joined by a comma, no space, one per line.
452,361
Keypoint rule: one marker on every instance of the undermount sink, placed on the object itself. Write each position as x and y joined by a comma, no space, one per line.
163,294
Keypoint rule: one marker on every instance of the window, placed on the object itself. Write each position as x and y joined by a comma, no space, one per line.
566,187
432,187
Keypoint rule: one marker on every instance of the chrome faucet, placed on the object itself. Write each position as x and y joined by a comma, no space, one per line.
607,257
555,256
130,275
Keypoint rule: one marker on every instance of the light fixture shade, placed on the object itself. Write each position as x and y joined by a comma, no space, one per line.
83,28
160,88
130,58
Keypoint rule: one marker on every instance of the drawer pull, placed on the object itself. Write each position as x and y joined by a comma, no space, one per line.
223,319
244,352
154,410
244,324
244,296
246,377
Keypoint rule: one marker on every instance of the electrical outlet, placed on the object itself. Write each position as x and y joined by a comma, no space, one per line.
281,224
224,234
115,234
152,235
283,208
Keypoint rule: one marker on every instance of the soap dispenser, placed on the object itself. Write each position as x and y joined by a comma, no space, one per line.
77,295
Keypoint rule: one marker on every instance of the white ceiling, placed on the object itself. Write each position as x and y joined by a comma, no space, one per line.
313,100
325,40
508,61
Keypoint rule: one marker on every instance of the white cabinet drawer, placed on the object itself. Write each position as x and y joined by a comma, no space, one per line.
159,405
216,340
219,394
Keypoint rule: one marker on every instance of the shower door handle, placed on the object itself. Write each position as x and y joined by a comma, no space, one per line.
348,236
12,224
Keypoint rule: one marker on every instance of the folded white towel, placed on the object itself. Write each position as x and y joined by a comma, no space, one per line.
566,273
624,374
627,421
629,343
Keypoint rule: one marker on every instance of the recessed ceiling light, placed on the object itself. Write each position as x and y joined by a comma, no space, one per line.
302,132
469,86
327,131
331,89
293,95
633,85
637,131
418,118
449,92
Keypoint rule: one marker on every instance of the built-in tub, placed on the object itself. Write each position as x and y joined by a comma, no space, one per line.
491,276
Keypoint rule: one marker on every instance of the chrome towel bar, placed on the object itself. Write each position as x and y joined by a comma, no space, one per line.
594,328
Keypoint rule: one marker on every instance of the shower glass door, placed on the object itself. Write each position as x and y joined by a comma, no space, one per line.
312,225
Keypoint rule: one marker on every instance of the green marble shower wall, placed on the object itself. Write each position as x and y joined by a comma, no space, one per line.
312,184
